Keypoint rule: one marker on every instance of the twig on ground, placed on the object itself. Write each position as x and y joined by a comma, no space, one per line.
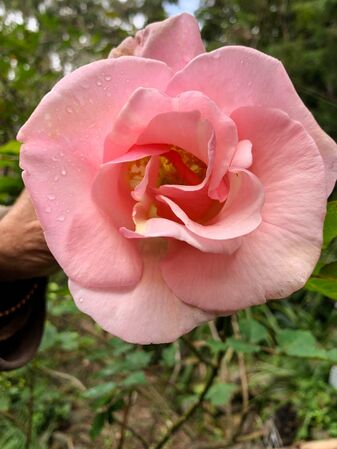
242,368
65,376
197,353
124,421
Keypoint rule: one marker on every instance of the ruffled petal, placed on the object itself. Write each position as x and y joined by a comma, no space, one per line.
240,214
279,256
236,76
174,41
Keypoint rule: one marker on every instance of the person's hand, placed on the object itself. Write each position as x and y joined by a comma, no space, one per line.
23,249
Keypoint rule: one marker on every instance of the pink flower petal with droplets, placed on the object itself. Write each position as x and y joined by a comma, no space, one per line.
278,257
235,76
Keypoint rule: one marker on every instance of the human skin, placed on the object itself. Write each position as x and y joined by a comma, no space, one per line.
23,250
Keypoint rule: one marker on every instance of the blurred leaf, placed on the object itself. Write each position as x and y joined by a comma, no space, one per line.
136,378
97,425
330,223
253,330
10,185
220,394
242,346
11,147
99,390
299,343
327,287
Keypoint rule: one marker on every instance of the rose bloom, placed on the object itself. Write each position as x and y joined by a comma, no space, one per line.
175,185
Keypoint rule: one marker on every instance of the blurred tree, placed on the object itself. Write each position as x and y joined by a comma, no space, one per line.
301,33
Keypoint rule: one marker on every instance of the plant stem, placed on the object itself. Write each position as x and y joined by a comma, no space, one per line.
181,421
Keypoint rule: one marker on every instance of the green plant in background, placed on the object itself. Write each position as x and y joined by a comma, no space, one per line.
223,382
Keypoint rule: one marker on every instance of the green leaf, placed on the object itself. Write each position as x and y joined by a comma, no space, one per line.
329,271
216,346
97,425
137,359
299,343
10,185
5,403
242,346
136,378
11,147
220,394
253,330
327,287
99,390
330,224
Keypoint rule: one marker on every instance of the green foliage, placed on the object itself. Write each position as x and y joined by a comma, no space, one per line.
220,394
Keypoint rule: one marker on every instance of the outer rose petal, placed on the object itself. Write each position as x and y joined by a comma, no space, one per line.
237,76
175,41
63,147
150,313
276,259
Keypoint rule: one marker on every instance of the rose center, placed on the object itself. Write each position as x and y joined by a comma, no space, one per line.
176,166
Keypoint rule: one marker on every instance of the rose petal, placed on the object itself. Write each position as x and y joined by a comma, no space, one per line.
243,157
237,76
150,313
162,227
63,147
276,259
175,41
240,215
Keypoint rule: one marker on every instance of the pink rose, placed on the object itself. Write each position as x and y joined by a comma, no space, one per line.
175,184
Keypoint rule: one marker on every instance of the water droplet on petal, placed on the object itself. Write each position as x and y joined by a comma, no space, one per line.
99,83
56,178
107,78
61,153
69,109
80,299
47,210
63,172
51,197
61,218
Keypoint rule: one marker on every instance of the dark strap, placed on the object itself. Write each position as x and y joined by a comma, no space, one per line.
22,315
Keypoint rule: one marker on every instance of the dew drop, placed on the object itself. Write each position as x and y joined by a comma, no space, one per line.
80,299
61,218
63,172
69,109
47,210
54,158
99,83
56,178
107,78
51,197
61,153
